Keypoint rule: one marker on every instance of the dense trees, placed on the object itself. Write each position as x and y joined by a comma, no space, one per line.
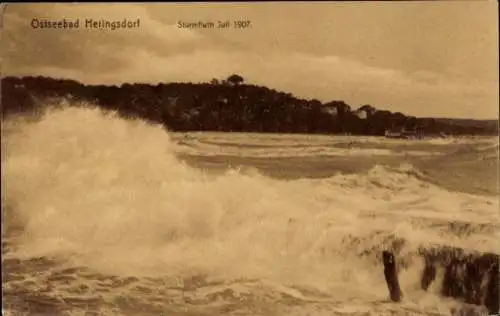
218,106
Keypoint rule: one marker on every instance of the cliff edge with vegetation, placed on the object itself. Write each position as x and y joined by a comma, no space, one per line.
227,105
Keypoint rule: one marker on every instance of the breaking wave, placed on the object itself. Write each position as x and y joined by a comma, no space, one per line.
94,192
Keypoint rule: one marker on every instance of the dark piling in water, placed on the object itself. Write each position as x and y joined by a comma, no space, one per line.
492,296
470,276
453,280
391,276
428,275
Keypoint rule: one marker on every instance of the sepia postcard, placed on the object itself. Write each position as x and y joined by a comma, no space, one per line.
250,158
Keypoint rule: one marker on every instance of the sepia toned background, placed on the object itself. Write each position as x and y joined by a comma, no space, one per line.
227,198
420,58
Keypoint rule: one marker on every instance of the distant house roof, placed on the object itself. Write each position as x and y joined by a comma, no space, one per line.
362,114
332,110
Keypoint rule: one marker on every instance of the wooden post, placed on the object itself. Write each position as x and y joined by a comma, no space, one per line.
492,298
391,276
428,275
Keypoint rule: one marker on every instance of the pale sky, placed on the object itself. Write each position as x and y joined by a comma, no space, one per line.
420,58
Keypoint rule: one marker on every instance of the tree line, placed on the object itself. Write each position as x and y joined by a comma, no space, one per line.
225,105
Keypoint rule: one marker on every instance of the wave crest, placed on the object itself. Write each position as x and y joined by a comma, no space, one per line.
112,195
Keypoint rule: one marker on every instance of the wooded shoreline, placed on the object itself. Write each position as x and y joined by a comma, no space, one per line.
228,106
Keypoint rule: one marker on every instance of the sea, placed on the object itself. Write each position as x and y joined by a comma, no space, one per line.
103,215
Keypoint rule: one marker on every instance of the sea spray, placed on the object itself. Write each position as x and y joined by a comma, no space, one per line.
97,191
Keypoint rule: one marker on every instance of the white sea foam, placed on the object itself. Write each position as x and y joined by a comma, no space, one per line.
287,149
111,195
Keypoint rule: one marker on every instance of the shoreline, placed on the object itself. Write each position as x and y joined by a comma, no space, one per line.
226,107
